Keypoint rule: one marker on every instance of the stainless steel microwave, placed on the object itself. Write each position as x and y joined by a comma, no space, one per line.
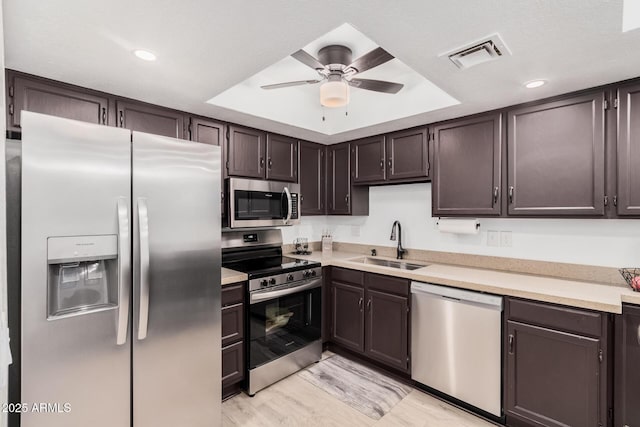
257,203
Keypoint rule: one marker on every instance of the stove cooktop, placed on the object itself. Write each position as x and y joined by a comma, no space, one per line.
262,267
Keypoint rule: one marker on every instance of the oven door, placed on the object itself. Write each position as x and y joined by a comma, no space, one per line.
254,203
283,320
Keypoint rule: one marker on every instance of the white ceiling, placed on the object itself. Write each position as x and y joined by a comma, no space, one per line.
300,105
205,47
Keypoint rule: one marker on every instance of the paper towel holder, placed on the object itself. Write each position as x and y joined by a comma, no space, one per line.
474,230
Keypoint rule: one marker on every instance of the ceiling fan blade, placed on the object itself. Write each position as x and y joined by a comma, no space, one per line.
372,59
376,85
289,84
308,60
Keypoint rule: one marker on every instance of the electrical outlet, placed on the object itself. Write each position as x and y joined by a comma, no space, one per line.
505,239
493,238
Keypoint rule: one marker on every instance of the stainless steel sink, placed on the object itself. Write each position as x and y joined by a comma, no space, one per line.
402,265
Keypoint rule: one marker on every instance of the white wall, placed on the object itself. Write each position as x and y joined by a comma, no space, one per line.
612,243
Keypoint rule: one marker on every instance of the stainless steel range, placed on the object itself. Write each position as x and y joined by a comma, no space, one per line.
285,305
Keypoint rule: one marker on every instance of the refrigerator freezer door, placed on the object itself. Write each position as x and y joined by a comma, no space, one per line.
74,373
176,298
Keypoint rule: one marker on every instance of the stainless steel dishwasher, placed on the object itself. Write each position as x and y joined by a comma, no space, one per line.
456,338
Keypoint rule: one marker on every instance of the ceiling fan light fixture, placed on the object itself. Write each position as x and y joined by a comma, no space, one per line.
334,94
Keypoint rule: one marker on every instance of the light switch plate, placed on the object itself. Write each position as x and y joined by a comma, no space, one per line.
506,239
493,238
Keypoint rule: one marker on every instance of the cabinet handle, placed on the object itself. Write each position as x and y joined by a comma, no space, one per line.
390,163
270,163
511,189
638,335
382,164
121,118
104,116
369,305
346,198
360,304
495,195
511,339
261,162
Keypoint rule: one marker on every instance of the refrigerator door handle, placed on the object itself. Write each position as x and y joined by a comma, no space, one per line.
123,272
286,219
143,230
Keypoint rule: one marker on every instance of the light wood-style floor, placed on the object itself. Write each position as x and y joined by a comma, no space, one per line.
295,402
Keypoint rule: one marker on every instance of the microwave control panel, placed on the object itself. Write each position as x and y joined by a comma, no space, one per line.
294,205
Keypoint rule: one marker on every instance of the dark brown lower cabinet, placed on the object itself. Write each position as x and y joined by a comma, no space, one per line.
370,316
233,366
627,368
556,366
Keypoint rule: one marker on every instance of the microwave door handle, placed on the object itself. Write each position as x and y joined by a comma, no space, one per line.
124,285
143,230
286,219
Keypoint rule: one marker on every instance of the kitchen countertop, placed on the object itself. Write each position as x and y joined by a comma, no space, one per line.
594,296
231,276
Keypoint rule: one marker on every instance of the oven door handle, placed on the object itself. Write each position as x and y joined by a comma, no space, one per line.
287,218
256,297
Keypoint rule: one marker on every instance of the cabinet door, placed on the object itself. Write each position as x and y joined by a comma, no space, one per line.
232,364
282,158
629,150
553,378
386,329
339,189
246,153
556,158
367,157
150,119
41,96
206,131
467,160
312,178
232,324
347,326
407,155
627,372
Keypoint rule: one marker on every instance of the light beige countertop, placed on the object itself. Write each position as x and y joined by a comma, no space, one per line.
594,296
231,276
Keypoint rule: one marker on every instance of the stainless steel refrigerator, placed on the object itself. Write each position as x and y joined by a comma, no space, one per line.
120,277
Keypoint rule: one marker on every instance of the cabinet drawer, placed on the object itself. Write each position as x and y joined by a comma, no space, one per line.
393,285
232,324
232,364
348,276
232,294
557,317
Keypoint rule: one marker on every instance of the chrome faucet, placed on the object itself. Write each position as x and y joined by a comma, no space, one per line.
400,249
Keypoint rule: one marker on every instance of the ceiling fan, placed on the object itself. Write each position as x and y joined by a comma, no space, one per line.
337,70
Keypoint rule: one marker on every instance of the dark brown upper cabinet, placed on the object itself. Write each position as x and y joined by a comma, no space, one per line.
55,99
206,131
368,160
556,158
282,158
342,197
467,167
312,178
628,200
556,365
150,119
407,155
627,374
246,153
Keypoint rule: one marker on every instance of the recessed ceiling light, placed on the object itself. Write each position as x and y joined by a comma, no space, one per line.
144,54
534,83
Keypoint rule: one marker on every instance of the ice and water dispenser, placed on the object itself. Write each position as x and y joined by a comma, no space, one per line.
83,274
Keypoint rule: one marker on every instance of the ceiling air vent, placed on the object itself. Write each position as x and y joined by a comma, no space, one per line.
486,50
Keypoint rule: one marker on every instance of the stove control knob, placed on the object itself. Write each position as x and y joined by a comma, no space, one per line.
290,278
313,273
272,281
263,283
